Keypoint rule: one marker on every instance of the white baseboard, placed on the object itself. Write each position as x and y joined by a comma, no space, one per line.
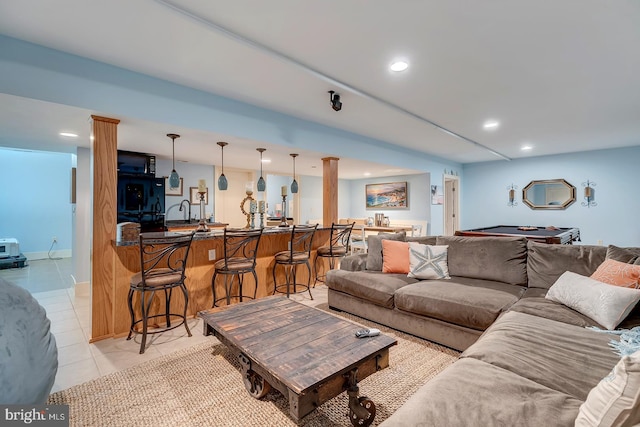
63,253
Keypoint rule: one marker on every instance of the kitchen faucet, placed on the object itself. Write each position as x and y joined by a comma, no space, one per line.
189,215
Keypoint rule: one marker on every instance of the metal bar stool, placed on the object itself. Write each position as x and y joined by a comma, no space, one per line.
337,248
240,250
299,253
163,258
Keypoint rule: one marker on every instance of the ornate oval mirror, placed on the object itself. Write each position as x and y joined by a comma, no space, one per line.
549,194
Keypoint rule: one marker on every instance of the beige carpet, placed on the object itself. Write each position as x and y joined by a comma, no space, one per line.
202,386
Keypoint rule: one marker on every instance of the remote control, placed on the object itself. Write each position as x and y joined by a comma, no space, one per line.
362,333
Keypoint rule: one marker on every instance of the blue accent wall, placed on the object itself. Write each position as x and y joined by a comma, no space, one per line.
613,221
36,200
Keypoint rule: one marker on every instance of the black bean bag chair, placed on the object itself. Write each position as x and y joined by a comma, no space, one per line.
28,352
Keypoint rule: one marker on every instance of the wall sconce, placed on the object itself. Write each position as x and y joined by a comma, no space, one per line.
589,194
262,184
294,184
512,195
222,180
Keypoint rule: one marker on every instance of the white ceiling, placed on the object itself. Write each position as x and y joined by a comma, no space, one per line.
559,75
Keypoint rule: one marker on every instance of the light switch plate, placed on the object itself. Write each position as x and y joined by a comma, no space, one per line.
212,254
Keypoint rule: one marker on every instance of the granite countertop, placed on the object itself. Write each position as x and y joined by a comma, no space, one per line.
211,234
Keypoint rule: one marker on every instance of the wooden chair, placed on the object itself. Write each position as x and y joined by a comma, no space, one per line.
299,253
240,250
163,258
336,249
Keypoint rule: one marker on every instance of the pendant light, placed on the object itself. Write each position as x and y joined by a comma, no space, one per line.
222,180
262,185
294,184
174,178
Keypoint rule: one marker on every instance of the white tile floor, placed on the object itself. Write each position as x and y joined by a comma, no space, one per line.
69,312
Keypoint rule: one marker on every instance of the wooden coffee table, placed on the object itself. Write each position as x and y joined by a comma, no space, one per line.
309,355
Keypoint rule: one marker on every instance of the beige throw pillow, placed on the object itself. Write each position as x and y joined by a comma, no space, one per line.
614,402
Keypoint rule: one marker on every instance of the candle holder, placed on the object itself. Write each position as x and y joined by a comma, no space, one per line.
242,209
202,225
283,222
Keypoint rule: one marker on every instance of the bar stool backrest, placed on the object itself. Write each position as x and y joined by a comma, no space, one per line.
302,239
340,237
163,255
241,243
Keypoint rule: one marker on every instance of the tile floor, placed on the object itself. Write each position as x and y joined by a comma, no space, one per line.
68,308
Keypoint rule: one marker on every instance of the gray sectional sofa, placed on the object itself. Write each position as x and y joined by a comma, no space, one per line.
526,361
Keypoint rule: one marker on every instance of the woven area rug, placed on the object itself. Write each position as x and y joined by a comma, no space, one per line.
202,386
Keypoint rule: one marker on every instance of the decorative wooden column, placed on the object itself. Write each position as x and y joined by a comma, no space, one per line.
329,190
105,181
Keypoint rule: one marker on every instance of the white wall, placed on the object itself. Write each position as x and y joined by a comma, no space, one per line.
83,227
616,173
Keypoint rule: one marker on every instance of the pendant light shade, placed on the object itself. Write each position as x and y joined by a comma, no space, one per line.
174,178
222,180
294,184
262,184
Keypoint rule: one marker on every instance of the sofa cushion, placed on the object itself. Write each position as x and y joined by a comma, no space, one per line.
534,302
471,393
472,303
376,287
395,256
615,401
566,358
546,263
374,249
423,240
503,259
628,255
618,273
606,304
427,261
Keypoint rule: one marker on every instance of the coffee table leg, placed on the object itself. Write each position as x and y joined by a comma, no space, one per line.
362,410
254,383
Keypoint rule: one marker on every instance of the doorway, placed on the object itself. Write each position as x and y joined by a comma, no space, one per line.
451,204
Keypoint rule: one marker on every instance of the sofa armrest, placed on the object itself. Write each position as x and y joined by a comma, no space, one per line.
357,262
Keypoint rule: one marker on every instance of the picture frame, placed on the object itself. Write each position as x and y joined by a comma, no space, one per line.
437,196
194,197
168,191
388,195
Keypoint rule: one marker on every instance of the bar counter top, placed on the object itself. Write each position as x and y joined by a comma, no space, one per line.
206,249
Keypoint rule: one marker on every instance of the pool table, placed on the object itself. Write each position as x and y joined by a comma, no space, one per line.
564,236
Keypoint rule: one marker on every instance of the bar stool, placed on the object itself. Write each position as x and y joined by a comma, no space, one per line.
240,250
299,253
163,258
337,248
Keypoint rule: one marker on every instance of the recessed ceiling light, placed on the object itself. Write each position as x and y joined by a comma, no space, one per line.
526,147
367,174
69,134
491,124
266,160
399,66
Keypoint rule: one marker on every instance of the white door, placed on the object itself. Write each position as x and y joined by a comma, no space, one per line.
451,203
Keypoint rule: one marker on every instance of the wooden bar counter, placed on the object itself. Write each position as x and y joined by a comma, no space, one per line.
200,271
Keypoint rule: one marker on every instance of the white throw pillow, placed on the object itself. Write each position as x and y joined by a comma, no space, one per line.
606,304
614,402
428,262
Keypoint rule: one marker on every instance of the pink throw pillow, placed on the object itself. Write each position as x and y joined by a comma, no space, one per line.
395,256
618,273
